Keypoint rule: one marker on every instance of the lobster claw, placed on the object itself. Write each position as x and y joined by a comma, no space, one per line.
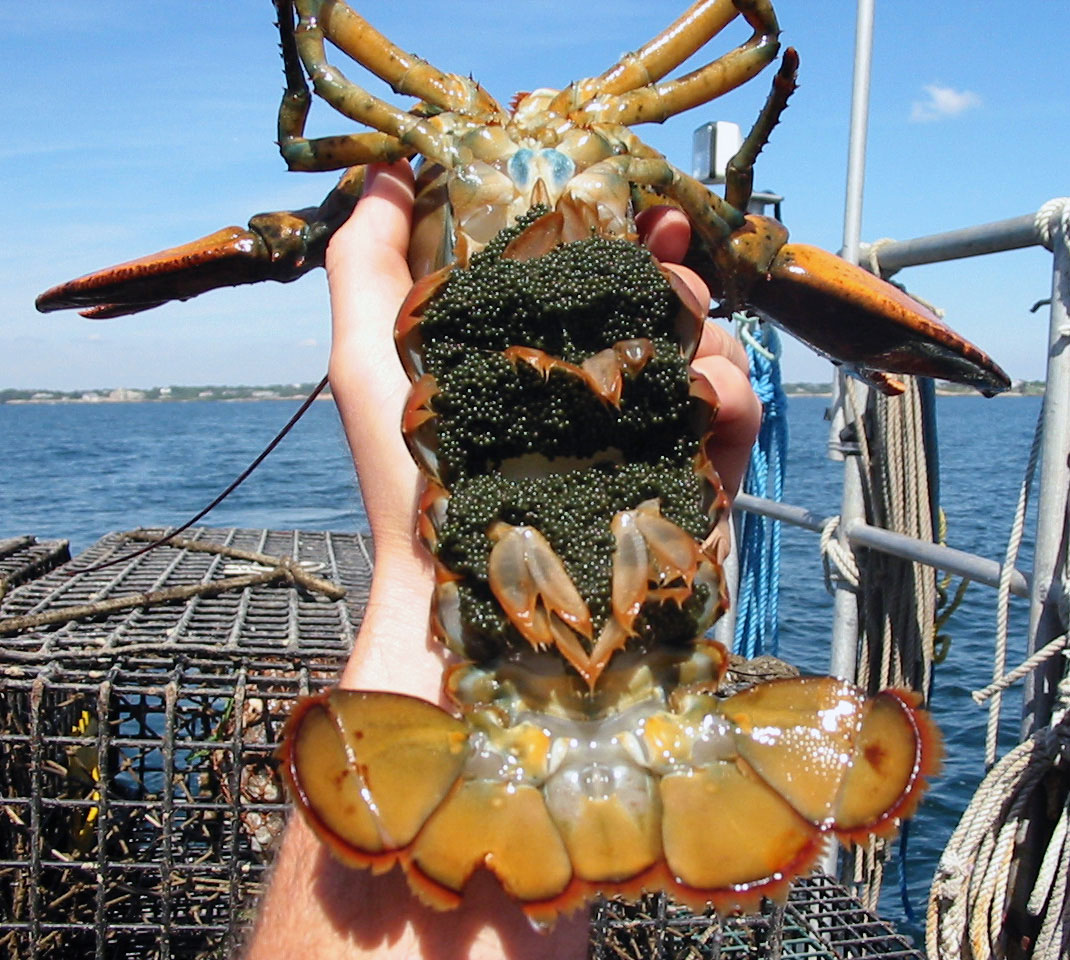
279,246
846,313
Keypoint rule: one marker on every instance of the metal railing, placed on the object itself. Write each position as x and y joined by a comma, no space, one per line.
1043,585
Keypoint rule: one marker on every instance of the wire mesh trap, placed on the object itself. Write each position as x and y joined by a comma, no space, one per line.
819,921
139,799
24,558
139,807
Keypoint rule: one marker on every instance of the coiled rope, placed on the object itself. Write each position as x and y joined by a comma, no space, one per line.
973,912
757,606
897,598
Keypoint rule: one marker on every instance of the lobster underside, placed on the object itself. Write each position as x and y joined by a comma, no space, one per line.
571,505
570,508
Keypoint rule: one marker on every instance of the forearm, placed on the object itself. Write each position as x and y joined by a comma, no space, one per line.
315,906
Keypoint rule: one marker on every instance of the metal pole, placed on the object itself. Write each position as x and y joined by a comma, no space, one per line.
1012,234
948,559
842,662
1052,516
852,508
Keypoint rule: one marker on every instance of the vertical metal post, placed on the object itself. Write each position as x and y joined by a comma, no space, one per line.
1052,515
845,626
856,150
844,656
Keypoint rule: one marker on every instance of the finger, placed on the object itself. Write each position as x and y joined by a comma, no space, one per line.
367,266
666,231
694,282
379,224
717,341
738,417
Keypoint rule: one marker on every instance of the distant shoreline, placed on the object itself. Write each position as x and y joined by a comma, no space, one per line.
169,394
61,401
298,392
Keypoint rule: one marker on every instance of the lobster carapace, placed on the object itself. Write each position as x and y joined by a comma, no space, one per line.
570,504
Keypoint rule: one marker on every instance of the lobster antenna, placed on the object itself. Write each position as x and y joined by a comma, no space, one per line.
739,174
317,390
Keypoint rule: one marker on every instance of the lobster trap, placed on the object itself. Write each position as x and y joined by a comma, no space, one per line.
819,921
139,807
139,801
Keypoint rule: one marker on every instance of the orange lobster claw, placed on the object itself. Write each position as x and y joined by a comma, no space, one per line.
278,246
846,313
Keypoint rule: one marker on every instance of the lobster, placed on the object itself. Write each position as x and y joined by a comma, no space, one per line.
569,503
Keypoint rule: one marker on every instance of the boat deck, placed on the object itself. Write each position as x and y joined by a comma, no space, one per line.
139,799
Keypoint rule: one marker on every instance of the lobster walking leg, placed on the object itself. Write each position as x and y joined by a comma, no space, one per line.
322,153
407,74
695,27
657,102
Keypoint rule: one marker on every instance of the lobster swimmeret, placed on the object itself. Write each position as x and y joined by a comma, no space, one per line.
570,504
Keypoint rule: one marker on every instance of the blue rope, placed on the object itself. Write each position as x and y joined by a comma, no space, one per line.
757,606
904,891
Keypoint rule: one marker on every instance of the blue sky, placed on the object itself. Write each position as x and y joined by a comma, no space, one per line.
133,126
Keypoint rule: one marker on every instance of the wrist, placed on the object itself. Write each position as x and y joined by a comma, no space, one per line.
394,649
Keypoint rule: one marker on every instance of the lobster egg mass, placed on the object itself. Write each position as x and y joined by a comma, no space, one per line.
521,436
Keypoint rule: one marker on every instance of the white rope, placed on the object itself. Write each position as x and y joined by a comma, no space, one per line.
1026,667
835,554
1003,599
970,894
873,252
1052,939
1053,214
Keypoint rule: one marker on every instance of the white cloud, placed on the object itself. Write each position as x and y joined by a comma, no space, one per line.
942,102
310,342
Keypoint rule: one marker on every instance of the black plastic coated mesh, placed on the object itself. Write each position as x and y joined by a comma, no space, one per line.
138,798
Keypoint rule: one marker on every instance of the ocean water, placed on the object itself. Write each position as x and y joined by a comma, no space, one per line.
78,471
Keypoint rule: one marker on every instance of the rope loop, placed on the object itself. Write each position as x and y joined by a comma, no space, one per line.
1051,215
873,254
836,554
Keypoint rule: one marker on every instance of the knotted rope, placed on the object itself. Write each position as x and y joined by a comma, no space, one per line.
1052,215
757,606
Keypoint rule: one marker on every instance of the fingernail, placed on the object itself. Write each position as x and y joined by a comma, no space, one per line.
370,175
